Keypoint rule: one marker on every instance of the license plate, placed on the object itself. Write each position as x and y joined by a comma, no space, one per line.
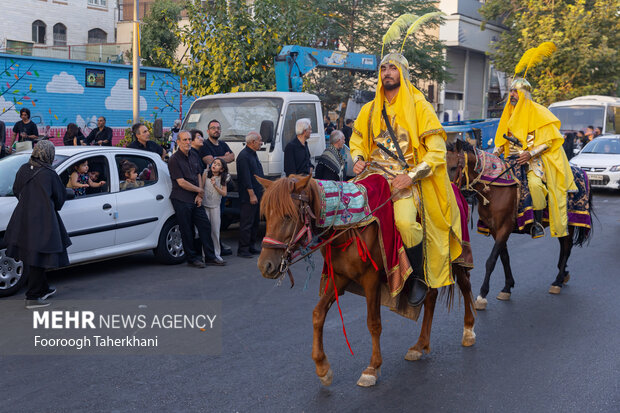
595,177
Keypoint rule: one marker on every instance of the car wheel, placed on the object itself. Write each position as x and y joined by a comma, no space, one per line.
170,246
11,275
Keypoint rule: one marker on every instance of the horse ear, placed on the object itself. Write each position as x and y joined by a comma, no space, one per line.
266,183
302,183
459,145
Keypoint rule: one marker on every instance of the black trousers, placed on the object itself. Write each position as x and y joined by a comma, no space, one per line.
248,226
190,215
37,282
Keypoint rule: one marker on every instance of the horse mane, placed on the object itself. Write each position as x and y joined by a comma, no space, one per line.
278,203
466,146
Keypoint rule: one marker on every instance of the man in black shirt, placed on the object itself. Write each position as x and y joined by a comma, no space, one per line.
186,198
347,129
296,153
213,148
2,138
24,130
142,140
250,192
197,145
101,136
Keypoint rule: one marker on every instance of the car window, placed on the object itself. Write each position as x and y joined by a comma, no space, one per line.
604,146
295,112
9,166
135,171
89,176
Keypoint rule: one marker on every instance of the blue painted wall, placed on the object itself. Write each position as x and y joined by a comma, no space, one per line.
55,91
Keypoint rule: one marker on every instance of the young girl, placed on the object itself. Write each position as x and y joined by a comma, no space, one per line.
128,171
214,183
80,180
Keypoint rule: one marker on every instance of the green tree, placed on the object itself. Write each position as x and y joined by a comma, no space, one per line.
155,33
587,36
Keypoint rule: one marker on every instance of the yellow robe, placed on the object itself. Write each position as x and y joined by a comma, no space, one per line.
528,117
439,213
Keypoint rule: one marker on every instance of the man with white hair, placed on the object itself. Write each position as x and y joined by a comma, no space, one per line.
250,192
296,153
330,165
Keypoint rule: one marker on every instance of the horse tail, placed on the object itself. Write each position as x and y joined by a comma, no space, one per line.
583,235
448,293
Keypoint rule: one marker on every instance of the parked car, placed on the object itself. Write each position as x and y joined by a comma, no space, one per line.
600,159
106,222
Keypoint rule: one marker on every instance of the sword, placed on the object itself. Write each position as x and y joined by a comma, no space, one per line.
391,154
513,140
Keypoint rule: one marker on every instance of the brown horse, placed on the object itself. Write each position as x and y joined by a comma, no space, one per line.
498,210
291,203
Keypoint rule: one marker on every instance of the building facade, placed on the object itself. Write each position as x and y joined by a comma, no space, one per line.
476,90
49,24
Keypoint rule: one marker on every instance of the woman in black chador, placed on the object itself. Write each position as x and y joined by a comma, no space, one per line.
36,234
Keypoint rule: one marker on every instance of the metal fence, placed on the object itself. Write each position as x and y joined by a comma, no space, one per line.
103,52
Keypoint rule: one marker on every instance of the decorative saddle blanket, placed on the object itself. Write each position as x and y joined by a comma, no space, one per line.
578,207
343,204
491,169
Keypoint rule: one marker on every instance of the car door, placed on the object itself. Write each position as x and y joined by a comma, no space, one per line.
140,205
89,219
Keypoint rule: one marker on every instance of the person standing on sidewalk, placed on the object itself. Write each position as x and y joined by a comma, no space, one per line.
250,193
36,234
186,196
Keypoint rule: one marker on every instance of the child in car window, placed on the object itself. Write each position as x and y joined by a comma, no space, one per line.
128,172
214,180
80,180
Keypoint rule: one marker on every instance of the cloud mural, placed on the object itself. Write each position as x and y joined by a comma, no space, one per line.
7,111
121,97
64,83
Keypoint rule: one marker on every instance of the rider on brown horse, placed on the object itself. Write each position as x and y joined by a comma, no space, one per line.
400,134
537,142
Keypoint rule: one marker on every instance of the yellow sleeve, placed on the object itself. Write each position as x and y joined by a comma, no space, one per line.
436,151
550,136
358,142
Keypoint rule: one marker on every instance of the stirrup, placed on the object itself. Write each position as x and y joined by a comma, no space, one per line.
537,230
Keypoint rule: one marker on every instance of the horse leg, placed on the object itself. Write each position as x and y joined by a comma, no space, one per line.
566,245
371,284
481,301
424,341
323,369
510,281
462,278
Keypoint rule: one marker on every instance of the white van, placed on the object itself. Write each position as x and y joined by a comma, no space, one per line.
272,114
579,113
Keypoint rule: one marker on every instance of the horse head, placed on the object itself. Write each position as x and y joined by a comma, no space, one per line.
288,205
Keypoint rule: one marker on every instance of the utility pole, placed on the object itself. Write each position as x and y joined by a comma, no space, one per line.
136,63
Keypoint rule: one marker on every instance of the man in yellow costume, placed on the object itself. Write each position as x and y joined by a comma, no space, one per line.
414,136
548,171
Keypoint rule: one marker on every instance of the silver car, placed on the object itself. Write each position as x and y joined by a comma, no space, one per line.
600,159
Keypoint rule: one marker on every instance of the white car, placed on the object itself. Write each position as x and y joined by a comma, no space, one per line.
107,222
600,159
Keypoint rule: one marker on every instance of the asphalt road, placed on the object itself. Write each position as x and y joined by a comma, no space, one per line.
535,353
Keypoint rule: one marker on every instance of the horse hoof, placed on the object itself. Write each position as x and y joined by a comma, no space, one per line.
326,380
469,337
502,296
554,289
413,355
566,278
480,304
369,380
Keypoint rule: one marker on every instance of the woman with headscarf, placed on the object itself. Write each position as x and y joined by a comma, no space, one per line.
36,234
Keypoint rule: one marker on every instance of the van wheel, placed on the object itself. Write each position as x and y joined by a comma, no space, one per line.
12,276
170,246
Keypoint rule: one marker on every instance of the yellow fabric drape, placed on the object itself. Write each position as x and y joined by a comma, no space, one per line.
439,213
529,117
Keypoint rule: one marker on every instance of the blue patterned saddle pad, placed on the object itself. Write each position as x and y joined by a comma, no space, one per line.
342,204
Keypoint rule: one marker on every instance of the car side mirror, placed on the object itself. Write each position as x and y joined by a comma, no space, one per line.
69,193
158,128
266,131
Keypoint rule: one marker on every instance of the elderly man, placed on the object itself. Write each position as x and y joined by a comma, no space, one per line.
101,136
400,123
548,171
186,198
296,154
142,140
330,165
250,192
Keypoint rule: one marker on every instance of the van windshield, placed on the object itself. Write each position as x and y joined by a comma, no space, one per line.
576,118
238,116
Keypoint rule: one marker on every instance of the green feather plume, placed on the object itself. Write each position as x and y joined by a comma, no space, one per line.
397,28
418,23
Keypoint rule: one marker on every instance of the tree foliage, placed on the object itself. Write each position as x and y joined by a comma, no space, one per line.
155,33
587,36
